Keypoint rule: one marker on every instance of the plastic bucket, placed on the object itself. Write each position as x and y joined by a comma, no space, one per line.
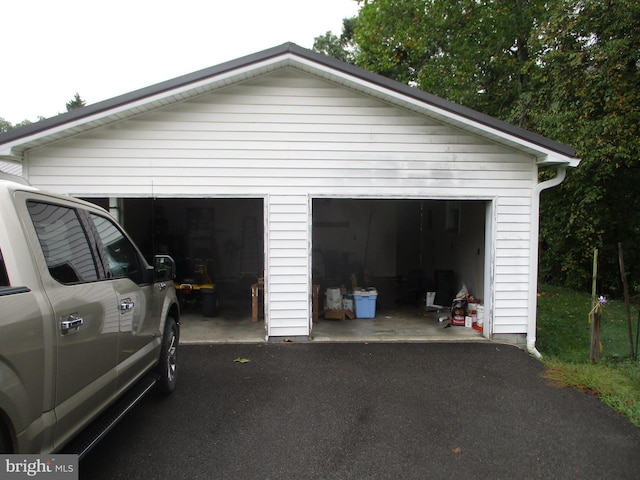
334,299
209,302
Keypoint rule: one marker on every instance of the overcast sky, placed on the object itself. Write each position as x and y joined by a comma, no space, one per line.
100,49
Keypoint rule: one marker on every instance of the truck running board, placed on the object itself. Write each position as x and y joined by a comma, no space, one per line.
96,430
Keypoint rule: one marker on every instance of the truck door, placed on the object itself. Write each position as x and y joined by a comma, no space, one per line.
140,302
86,310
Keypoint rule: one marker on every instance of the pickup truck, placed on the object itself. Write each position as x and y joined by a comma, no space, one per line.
87,327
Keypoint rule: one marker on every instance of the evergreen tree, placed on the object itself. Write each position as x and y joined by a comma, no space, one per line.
76,102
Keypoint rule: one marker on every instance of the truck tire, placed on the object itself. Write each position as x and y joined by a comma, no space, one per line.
5,442
168,364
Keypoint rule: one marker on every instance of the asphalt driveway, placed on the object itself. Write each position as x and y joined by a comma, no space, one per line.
366,411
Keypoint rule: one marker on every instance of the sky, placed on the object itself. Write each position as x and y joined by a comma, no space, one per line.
100,49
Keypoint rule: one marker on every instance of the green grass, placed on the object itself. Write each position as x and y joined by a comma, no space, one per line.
564,338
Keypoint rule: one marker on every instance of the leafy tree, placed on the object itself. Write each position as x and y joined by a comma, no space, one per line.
76,102
341,47
5,125
473,52
587,96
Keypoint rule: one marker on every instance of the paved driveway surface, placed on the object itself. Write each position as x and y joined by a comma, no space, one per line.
366,411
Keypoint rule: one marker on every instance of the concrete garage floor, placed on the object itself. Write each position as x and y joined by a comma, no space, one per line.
405,324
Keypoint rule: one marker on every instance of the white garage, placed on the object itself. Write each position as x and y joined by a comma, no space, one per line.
310,171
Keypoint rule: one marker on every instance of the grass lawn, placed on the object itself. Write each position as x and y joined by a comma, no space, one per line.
564,338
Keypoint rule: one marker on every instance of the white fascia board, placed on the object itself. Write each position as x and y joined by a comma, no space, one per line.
6,154
553,158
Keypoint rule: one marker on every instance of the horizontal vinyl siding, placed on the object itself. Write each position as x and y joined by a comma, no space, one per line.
11,168
285,133
512,265
288,265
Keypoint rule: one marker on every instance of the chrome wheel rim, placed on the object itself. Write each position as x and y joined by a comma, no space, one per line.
171,359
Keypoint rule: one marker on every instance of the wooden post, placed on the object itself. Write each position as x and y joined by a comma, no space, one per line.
594,277
594,316
594,351
255,297
625,287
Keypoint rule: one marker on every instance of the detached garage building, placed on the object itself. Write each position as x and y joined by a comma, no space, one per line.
311,171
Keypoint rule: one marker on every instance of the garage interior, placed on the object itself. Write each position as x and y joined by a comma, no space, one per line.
403,248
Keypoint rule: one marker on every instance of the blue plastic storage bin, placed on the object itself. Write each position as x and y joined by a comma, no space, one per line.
365,302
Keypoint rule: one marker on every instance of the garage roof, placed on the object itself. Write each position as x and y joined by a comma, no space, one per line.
16,141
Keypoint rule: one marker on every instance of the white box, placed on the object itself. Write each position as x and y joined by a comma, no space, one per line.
431,296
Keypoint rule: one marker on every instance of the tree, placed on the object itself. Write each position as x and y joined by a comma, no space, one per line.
587,96
342,47
5,125
76,102
473,52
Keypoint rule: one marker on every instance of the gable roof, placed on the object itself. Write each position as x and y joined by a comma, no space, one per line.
14,142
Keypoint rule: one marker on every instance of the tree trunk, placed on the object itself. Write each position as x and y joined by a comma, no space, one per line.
625,287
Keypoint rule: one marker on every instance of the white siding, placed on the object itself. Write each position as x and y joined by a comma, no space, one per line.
284,133
512,265
11,168
289,136
288,265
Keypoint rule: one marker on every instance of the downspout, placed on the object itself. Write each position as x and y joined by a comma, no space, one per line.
535,232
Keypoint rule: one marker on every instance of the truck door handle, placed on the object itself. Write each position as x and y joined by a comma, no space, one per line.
71,324
126,305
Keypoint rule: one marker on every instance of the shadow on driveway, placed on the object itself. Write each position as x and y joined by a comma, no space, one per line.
366,411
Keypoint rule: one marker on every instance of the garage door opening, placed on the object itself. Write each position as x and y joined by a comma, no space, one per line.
402,249
215,242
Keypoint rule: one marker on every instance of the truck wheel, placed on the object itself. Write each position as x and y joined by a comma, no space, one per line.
168,365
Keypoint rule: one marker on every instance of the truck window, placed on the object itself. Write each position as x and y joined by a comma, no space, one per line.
64,243
5,285
122,256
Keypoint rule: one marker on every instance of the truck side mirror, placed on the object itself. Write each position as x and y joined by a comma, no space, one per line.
164,268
